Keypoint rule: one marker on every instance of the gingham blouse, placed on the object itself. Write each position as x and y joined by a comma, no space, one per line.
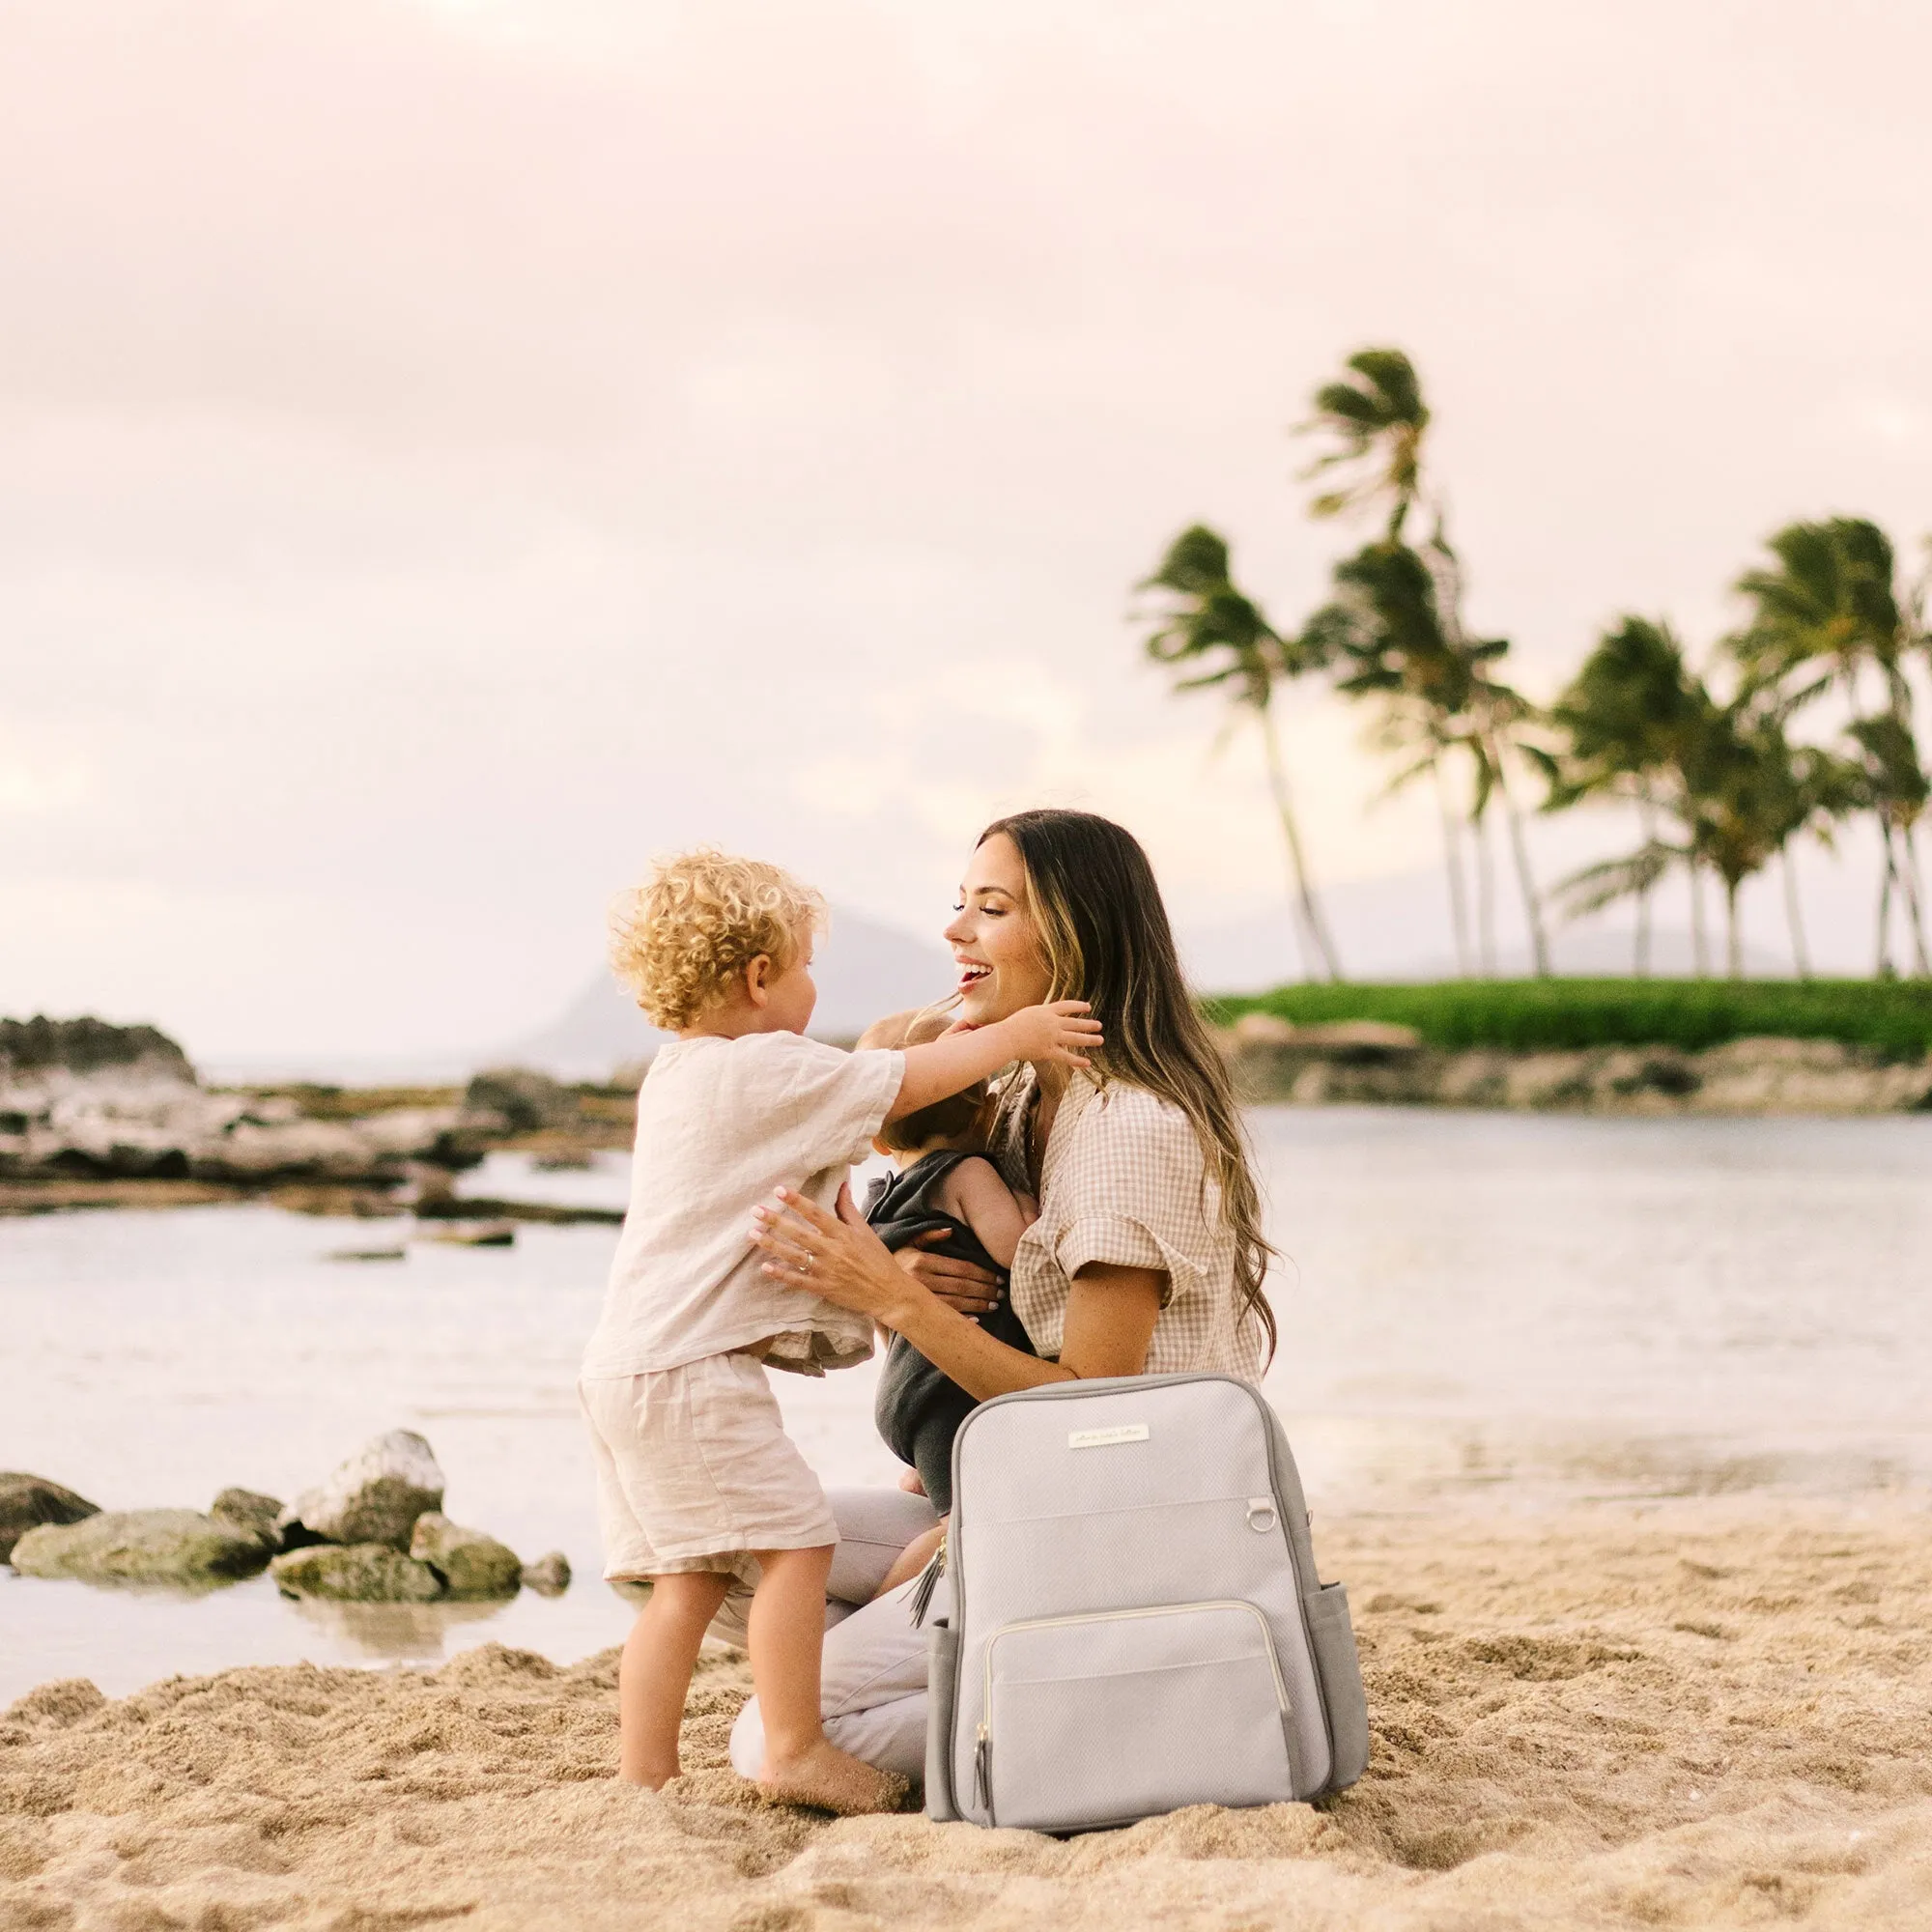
1123,1181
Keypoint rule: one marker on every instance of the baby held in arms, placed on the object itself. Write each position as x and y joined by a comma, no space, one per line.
696,1480
948,1197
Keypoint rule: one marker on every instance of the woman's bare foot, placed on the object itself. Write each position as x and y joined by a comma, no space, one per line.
832,1779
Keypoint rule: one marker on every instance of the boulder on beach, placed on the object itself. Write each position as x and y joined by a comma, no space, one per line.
374,1498
355,1573
178,1546
28,1501
251,1513
472,1566
549,1575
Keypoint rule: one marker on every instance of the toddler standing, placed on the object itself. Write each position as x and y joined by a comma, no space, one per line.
696,1480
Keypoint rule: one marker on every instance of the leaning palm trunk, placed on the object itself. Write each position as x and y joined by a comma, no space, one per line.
1881,968
1452,860
1794,914
1532,905
1486,890
1734,951
1640,964
1914,898
1315,931
1700,953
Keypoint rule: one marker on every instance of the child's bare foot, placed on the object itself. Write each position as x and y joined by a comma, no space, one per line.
832,1779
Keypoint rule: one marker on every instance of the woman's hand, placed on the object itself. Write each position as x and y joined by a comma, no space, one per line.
831,1255
963,1285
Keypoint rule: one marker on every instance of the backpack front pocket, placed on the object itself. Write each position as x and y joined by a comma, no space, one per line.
1104,1719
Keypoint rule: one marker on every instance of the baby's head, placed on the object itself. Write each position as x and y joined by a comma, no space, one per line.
957,1121
711,940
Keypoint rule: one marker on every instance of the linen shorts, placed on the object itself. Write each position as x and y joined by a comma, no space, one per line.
694,1471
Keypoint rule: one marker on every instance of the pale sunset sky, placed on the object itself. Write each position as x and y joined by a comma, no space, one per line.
449,452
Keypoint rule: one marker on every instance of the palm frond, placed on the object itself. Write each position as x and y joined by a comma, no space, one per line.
1612,880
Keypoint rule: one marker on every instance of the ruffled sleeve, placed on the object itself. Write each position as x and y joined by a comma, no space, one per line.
1130,1189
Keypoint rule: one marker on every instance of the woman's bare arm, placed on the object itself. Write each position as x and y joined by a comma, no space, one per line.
1110,1316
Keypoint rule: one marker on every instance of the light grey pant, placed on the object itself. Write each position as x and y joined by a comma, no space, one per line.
872,1685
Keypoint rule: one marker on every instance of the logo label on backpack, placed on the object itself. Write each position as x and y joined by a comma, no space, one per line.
1105,1439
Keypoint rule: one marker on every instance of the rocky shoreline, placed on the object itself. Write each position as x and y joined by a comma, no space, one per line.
98,1116
373,1532
1368,1062
92,1116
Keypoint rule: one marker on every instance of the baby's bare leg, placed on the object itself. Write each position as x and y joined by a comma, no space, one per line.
787,1630
655,1672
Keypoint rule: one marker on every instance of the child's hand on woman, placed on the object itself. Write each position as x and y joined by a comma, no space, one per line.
1062,1034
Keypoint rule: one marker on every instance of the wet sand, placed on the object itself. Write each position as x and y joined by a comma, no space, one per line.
1699,1713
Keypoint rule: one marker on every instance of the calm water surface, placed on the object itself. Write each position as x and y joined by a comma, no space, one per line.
1522,1309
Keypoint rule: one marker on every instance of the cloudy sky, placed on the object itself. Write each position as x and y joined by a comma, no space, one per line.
450,452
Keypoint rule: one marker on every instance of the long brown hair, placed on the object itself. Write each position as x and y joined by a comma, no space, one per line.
1107,940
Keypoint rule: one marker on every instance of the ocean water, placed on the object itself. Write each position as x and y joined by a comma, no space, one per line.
1507,1310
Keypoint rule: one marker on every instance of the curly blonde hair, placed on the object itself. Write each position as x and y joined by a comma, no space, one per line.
679,940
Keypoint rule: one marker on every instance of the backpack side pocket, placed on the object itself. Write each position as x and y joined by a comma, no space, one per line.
942,1650
1333,1639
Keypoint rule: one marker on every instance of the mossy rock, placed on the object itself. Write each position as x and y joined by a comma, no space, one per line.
28,1501
355,1573
549,1575
178,1546
374,1498
473,1567
251,1513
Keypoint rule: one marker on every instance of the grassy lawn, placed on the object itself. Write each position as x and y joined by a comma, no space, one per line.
1544,1014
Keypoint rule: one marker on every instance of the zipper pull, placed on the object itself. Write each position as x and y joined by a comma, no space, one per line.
982,1769
920,1599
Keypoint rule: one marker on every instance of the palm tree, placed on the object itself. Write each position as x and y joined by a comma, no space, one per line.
1385,630
1891,783
1820,788
1213,629
1622,720
1640,725
1830,603
1748,803
1638,720
1376,419
1376,422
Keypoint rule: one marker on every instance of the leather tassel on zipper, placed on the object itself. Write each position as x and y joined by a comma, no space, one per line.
982,1772
920,1599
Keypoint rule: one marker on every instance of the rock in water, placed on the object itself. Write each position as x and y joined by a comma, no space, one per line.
470,1564
375,1496
181,1546
549,1575
28,1501
521,1097
359,1572
251,1513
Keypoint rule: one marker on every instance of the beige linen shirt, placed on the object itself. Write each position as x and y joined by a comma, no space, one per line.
1125,1181
721,1125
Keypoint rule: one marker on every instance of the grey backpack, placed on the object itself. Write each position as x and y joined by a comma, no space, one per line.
1135,1622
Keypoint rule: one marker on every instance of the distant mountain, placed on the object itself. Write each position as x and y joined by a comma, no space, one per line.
864,971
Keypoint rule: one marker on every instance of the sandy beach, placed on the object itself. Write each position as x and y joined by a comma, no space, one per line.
1700,1713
